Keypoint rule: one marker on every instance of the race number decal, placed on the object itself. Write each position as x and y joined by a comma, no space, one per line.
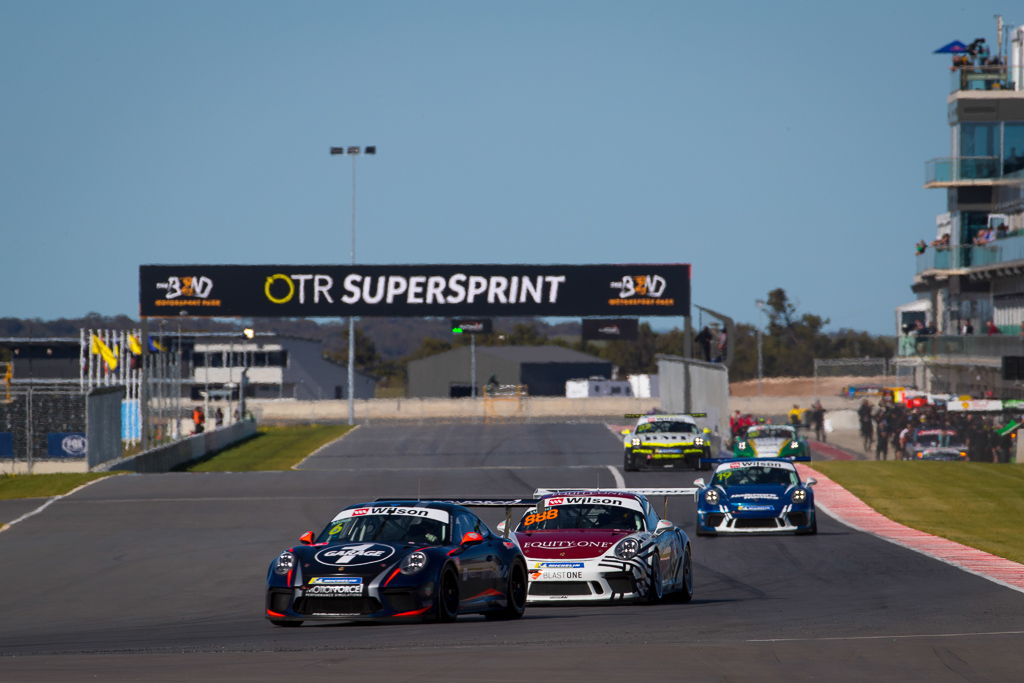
551,513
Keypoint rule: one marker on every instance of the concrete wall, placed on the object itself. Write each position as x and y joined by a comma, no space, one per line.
530,407
166,458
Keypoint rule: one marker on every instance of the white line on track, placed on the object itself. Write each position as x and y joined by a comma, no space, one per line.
888,637
47,504
620,483
299,463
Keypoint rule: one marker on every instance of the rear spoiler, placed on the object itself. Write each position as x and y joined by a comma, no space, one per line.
507,503
665,493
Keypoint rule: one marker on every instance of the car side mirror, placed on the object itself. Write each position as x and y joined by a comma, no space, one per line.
663,526
306,538
472,537
707,430
699,482
811,481
625,432
501,528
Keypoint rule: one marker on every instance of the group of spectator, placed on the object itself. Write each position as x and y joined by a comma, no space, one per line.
891,424
981,238
813,417
714,344
977,55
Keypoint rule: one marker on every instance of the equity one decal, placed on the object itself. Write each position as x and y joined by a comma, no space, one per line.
355,554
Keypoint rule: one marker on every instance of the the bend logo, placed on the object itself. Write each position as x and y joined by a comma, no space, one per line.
74,444
187,286
640,285
354,554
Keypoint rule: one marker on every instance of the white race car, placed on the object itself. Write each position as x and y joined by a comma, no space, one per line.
601,545
662,441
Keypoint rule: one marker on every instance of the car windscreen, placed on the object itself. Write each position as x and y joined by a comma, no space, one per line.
665,426
755,476
388,528
769,433
937,439
582,517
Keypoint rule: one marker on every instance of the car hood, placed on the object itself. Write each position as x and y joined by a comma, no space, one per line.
768,445
569,543
349,559
762,494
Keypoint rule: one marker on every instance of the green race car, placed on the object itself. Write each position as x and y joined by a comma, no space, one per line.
771,441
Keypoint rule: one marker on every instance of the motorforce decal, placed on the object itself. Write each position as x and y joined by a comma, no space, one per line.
354,554
414,290
334,591
555,501
426,513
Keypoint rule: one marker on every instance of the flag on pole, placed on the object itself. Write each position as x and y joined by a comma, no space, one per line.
155,346
99,348
133,345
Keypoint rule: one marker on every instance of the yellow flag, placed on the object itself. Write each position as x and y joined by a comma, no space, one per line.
98,347
134,346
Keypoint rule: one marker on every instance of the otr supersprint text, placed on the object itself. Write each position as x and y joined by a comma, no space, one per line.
414,289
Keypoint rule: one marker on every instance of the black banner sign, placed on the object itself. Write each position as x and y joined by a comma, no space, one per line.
620,328
414,290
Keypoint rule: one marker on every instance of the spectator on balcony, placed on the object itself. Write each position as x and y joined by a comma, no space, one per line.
941,242
966,327
921,246
990,328
984,236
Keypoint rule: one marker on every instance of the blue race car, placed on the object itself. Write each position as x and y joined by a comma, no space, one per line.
755,496
398,558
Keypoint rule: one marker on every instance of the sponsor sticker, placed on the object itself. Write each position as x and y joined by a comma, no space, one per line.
354,554
558,545
558,565
336,580
331,591
426,513
555,576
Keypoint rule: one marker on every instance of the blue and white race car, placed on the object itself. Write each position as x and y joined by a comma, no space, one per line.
755,496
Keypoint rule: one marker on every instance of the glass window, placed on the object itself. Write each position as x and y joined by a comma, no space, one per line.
216,359
1013,148
979,139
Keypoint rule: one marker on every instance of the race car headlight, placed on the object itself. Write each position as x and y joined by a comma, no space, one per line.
285,563
794,445
413,562
699,441
627,548
635,442
741,445
711,497
799,496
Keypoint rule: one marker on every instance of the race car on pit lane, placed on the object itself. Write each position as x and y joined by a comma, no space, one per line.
604,545
664,441
935,444
398,558
755,496
771,441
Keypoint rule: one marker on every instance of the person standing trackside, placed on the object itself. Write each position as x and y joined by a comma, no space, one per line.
818,420
198,420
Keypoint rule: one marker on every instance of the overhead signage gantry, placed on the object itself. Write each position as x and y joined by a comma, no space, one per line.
414,290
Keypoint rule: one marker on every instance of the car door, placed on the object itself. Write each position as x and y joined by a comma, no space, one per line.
476,561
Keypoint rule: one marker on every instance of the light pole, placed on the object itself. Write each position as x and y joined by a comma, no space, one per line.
760,357
353,152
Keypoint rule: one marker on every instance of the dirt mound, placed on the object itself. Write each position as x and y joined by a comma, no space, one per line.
800,386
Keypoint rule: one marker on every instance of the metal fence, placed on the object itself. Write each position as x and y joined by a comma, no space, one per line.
853,367
40,422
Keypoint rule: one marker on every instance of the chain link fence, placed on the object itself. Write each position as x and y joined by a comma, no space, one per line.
41,422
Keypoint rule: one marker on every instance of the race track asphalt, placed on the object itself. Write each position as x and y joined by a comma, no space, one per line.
161,578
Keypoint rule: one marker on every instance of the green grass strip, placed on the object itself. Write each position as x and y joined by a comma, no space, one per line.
44,485
976,504
273,448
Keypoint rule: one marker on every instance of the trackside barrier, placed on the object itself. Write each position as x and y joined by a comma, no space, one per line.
693,386
166,458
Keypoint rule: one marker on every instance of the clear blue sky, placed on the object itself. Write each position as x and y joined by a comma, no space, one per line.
769,144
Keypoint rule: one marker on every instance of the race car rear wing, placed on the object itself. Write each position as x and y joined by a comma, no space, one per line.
507,503
665,493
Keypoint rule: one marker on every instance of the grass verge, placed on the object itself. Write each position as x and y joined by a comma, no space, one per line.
273,448
44,485
977,504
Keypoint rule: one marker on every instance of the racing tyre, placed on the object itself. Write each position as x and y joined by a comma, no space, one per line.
812,530
685,592
628,463
655,589
447,600
515,595
285,623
